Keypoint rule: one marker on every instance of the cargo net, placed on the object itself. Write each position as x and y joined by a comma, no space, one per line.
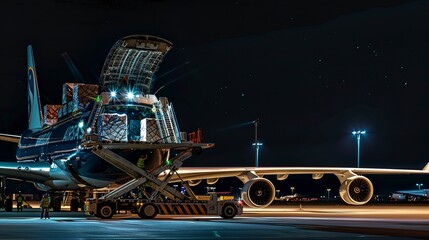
67,92
77,97
149,131
83,95
113,127
50,114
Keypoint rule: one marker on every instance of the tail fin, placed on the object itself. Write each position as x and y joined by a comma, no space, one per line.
34,108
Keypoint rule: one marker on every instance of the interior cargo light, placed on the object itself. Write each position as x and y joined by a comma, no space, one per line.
130,95
113,94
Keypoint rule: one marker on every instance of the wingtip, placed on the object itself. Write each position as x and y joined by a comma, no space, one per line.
426,168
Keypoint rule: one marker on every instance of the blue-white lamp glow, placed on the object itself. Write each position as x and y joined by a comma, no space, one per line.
357,134
130,95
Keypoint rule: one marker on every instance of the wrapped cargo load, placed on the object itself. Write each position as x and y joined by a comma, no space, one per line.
83,94
113,127
50,114
70,107
60,112
65,110
149,130
67,92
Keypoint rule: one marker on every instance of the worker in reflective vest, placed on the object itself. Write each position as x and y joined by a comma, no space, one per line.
19,202
44,204
140,162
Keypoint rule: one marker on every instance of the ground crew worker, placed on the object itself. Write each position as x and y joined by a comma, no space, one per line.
44,204
140,162
8,204
19,202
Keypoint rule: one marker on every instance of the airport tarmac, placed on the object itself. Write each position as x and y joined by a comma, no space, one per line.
274,222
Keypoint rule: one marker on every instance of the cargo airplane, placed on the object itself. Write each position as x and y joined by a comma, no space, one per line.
75,145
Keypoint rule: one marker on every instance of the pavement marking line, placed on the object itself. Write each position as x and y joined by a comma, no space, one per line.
216,234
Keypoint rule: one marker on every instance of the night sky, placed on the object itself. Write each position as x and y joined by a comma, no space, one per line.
311,71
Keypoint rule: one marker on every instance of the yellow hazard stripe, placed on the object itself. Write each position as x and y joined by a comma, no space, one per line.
194,210
170,208
187,209
179,209
163,209
191,209
202,210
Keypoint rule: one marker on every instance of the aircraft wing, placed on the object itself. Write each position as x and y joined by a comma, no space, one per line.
422,192
195,173
32,172
9,138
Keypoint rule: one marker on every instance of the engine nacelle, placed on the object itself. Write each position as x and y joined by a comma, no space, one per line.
356,190
154,159
194,183
42,187
258,193
212,181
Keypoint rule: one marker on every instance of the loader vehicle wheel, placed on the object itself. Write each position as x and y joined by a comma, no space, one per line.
105,211
148,211
229,211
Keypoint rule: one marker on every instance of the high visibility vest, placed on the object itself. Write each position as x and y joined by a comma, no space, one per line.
19,199
45,202
140,162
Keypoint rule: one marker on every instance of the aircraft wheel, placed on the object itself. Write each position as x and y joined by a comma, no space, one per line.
229,211
105,211
148,211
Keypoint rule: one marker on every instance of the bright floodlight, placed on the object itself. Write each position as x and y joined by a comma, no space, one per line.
113,94
80,124
257,144
130,95
357,134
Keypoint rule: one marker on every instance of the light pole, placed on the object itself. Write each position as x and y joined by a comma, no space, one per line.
419,185
329,191
256,143
291,189
357,134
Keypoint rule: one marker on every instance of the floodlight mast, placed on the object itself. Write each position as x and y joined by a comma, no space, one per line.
256,143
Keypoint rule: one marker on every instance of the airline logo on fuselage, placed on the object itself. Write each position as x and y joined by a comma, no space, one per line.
73,133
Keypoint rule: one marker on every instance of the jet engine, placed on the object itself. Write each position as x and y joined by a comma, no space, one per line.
154,159
356,190
258,193
42,187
